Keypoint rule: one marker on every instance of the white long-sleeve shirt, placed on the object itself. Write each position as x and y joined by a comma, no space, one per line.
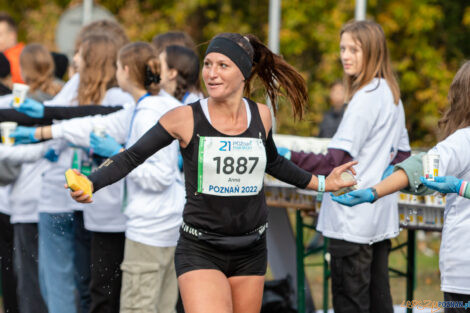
56,199
155,196
454,255
372,131
26,190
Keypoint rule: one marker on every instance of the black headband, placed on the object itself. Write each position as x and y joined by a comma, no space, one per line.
234,52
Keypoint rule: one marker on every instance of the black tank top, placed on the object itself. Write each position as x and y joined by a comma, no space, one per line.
234,215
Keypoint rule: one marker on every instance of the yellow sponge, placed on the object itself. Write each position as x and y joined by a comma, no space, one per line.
78,182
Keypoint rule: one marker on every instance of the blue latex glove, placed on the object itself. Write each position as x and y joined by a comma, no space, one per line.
51,155
355,197
32,108
388,171
105,146
24,135
284,152
443,184
180,161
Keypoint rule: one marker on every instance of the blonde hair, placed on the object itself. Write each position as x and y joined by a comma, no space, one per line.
103,27
457,116
143,65
37,68
98,72
376,60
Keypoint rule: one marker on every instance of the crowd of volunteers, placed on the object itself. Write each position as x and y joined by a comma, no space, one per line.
176,172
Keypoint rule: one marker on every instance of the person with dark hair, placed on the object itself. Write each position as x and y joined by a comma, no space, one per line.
332,117
179,38
61,63
227,146
10,46
5,76
181,63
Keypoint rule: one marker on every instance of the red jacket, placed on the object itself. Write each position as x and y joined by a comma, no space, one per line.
13,56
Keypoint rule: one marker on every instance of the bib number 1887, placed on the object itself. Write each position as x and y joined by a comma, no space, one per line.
229,165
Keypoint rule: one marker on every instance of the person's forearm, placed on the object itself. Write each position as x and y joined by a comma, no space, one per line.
393,183
401,156
68,112
119,165
11,115
465,190
320,164
283,169
22,153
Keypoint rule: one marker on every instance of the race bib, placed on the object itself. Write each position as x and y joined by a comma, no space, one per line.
231,166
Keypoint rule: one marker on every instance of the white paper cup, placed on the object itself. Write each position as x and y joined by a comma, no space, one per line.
99,130
19,94
7,128
430,166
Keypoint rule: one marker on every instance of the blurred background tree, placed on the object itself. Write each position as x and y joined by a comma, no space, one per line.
428,39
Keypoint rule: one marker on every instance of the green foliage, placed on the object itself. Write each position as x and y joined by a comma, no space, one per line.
428,40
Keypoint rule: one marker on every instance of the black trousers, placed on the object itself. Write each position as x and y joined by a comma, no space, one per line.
456,297
26,267
360,280
107,253
9,283
82,246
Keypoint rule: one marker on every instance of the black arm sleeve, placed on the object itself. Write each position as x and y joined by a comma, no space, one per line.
55,113
283,169
65,113
121,164
12,115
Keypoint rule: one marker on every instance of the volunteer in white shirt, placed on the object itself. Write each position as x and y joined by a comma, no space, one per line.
454,260
60,219
154,194
372,132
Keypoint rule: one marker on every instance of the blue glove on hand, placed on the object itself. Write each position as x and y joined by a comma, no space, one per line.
443,184
24,135
32,108
355,197
284,152
388,171
105,146
51,155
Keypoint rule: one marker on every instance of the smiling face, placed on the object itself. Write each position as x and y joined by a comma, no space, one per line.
351,55
221,76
